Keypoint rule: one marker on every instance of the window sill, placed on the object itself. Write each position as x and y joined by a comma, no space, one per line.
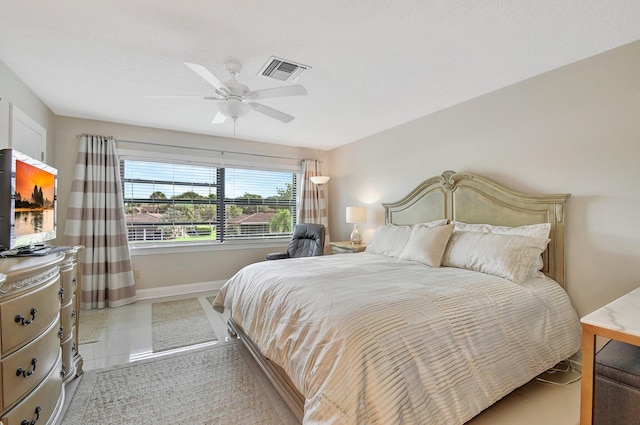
209,247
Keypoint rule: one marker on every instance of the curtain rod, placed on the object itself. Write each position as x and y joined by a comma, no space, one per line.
221,151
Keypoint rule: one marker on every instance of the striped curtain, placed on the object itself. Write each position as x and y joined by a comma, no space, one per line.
95,219
313,203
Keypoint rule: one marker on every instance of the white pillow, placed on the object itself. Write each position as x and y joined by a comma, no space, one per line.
427,244
390,240
508,256
532,230
434,223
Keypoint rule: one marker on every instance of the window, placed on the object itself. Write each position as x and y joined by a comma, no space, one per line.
169,202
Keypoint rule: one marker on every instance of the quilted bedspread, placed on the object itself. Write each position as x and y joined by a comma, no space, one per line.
369,339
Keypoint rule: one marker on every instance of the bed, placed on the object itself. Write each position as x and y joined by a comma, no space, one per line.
403,334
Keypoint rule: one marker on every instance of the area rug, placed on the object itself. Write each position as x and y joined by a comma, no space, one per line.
179,323
221,384
92,323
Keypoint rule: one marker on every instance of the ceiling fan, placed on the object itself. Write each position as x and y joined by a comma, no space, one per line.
236,98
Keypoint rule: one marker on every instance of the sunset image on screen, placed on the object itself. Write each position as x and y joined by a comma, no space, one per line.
35,188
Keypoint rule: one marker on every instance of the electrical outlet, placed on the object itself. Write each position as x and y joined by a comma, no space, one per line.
136,273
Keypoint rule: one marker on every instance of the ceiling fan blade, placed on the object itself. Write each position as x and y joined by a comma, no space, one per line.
208,77
218,119
295,90
273,113
184,97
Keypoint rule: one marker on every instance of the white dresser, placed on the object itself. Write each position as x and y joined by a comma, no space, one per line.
38,338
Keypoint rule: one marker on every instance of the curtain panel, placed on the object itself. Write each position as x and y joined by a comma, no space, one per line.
96,219
313,201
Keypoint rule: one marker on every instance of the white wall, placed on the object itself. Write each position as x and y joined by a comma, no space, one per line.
168,269
14,91
573,130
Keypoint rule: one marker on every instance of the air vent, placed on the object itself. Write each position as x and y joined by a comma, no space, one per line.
283,70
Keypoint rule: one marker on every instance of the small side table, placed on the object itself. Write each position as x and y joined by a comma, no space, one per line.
619,320
346,247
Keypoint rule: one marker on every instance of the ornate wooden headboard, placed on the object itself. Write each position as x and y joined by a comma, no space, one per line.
474,199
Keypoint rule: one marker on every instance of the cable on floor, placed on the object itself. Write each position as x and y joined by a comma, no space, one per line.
565,367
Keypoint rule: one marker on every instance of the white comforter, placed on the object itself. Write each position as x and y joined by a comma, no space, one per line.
368,339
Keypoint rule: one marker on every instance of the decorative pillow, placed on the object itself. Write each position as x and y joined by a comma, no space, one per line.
508,256
532,230
390,240
427,244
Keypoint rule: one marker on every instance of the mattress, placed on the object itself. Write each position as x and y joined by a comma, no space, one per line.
369,339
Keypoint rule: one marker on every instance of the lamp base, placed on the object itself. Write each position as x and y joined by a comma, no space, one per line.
356,237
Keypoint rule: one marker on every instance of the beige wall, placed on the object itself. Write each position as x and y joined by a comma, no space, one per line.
14,91
161,270
573,130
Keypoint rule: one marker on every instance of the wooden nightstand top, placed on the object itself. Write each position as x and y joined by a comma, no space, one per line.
346,247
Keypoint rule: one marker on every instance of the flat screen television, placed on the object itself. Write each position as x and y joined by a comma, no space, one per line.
28,196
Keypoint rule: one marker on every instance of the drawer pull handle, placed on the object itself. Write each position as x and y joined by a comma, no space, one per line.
74,281
61,293
24,373
73,314
61,332
20,318
63,371
33,422
74,348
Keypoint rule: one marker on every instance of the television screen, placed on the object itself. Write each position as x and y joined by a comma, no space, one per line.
28,194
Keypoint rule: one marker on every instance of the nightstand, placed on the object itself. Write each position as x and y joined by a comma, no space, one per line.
346,247
617,320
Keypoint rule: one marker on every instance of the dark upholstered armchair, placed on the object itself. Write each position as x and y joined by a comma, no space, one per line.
307,241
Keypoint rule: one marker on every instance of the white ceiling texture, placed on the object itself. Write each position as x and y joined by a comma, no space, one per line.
375,64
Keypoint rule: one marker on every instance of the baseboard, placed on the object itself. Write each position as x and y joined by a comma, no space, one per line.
173,290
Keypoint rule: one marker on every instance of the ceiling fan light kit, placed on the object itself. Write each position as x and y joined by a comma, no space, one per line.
235,97
234,108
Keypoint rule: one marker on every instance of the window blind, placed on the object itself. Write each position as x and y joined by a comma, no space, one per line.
169,202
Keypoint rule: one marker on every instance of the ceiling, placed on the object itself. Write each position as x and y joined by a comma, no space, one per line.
375,64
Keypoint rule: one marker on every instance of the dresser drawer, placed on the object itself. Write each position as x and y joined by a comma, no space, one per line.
24,369
25,316
45,403
67,319
69,350
69,284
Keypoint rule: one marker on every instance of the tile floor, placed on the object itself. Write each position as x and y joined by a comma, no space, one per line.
127,335
127,338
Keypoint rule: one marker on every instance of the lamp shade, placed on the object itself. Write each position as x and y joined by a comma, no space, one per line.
356,214
319,180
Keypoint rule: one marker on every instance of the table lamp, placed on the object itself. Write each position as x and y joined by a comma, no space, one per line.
356,215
